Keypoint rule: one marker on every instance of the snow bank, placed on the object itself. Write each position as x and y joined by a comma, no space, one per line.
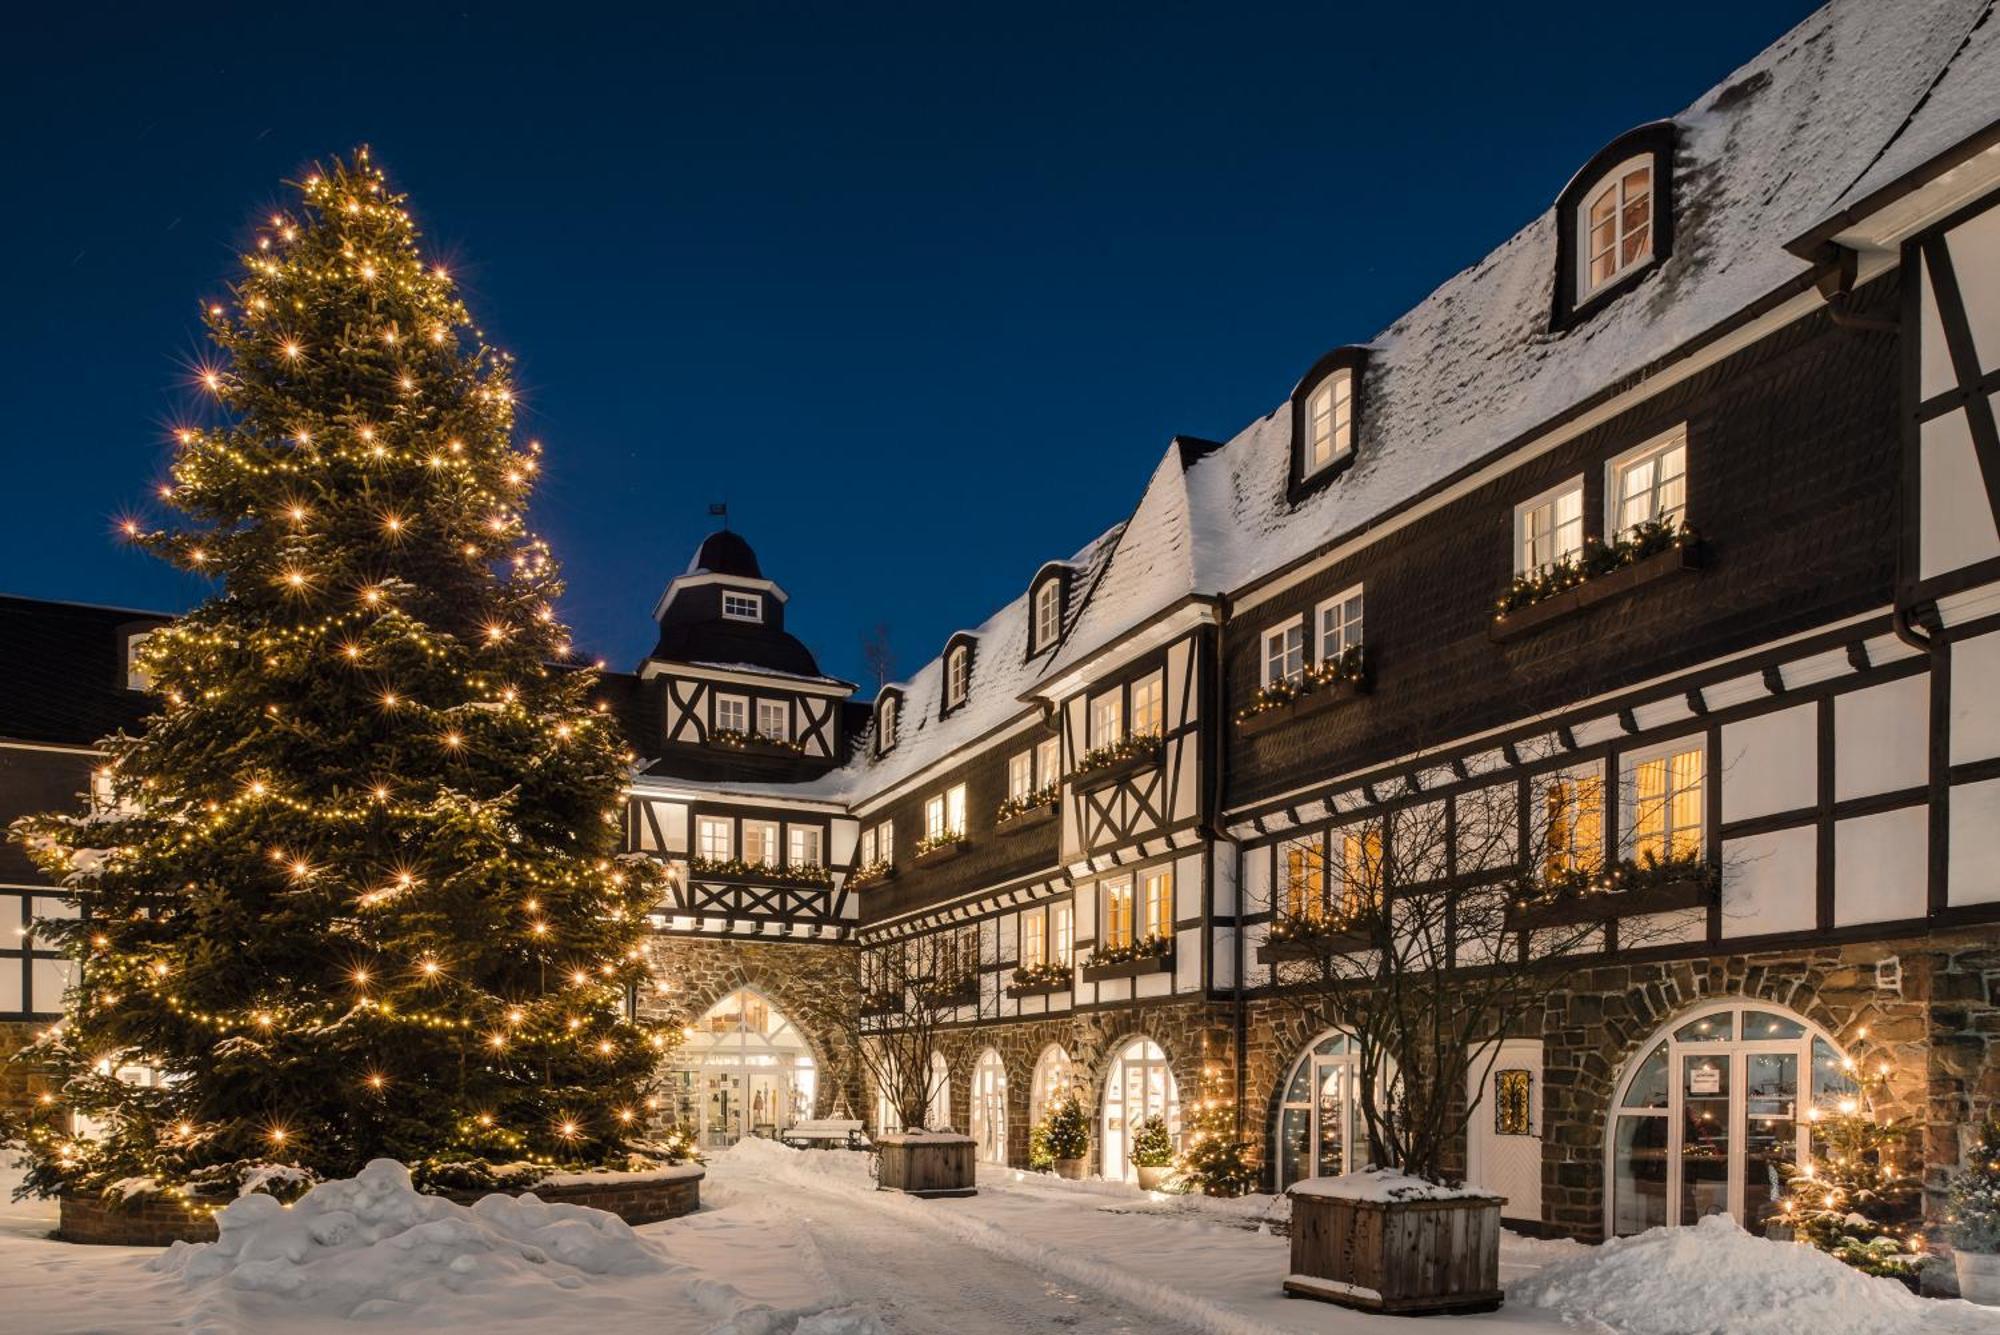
1716,1277
372,1246
1385,1184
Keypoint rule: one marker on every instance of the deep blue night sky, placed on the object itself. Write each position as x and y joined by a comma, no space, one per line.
921,290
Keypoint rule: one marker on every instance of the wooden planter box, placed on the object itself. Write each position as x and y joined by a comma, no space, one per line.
1303,706
965,994
757,746
1092,780
1406,1257
1282,952
155,1221
1029,819
1042,989
942,853
880,878
1660,565
928,1165
1603,906
1098,973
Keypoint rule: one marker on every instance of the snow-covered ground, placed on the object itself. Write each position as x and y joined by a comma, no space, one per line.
802,1243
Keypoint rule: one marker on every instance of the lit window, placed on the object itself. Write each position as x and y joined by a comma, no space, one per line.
732,713
1048,612
711,838
1158,898
1284,653
774,720
1616,223
1573,820
1146,706
1021,774
1302,876
1648,484
1107,718
1034,938
760,843
1118,912
957,672
885,723
865,855
885,841
1062,931
743,606
806,844
1329,421
954,809
1360,850
1048,761
1667,806
1549,529
136,677
1340,625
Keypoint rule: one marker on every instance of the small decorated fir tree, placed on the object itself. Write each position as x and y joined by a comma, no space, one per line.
1972,1212
1065,1130
1213,1160
356,890
1852,1198
1152,1145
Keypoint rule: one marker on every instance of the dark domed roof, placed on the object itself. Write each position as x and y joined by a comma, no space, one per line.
725,553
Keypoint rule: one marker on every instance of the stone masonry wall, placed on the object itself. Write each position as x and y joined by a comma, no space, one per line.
19,1083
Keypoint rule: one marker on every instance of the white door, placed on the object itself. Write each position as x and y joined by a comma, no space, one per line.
1141,1086
989,1108
1504,1139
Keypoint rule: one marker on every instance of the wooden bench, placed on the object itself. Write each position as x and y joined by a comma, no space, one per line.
825,1133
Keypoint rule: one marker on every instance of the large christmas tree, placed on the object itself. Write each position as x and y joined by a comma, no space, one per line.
355,890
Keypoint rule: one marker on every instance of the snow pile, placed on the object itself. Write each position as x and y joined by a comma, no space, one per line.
372,1246
1716,1277
853,1168
1385,1184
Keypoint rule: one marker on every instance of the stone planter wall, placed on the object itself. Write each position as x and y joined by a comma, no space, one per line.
18,1084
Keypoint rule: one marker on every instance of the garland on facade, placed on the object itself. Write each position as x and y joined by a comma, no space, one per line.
1349,667
881,1001
1035,977
869,873
1111,753
1626,876
1322,925
1597,558
950,992
735,740
1016,807
930,843
1145,948
736,869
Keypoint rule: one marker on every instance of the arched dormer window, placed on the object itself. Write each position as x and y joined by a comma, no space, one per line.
1046,599
1325,419
958,655
1614,222
888,718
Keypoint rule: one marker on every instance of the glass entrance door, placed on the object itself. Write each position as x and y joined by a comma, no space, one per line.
1333,1110
743,1069
989,1107
1141,1086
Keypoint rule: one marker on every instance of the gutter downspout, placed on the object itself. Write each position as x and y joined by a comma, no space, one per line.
1217,701
1835,282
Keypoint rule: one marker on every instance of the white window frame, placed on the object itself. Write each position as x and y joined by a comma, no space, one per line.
1614,181
1329,423
1289,640
1048,612
1549,498
885,723
714,838
934,826
954,809
957,676
885,841
737,704
779,730
1020,774
1347,631
865,854
1107,718
805,846
770,852
747,606
1146,922
1035,934
1108,889
1155,684
1614,481
1628,795
1048,761
1570,853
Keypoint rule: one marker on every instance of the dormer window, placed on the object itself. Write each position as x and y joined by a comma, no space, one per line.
1048,614
1616,225
885,723
1614,222
1324,420
742,606
957,673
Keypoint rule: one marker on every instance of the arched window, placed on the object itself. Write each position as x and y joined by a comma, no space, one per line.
989,1107
1615,221
1705,1114
887,707
1320,1130
743,1069
1140,1085
1324,420
1047,627
938,1115
1053,1077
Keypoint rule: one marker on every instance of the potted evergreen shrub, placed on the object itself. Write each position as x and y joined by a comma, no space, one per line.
1972,1221
1152,1153
1066,1134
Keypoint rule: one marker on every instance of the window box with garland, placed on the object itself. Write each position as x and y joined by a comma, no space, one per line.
754,743
880,1002
1311,938
1645,554
736,869
1039,980
1030,809
1152,954
1116,760
871,873
1320,686
953,992
1582,896
935,848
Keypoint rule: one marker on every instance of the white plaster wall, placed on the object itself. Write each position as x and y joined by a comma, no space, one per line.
1881,738
1975,699
1880,866
1768,883
1975,259
1956,526
1770,763
1973,869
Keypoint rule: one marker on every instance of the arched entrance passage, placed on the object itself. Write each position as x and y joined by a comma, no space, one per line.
1319,1116
743,1069
1139,1085
1712,1105
989,1107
